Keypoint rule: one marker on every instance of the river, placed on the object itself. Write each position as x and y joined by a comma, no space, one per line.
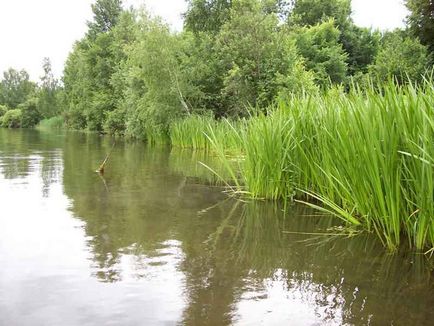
155,241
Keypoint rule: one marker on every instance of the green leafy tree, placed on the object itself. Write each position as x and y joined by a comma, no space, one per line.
247,44
400,57
15,88
313,12
421,21
202,72
12,119
30,115
131,75
324,55
90,91
106,14
77,89
279,7
158,89
48,92
256,54
3,110
207,15
124,36
295,79
100,66
360,44
211,15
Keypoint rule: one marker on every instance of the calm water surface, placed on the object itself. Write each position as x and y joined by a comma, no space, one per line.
155,243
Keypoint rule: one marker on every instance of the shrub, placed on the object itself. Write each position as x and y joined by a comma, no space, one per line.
115,122
3,110
12,119
30,113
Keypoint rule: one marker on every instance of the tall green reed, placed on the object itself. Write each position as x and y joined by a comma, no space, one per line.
365,157
192,132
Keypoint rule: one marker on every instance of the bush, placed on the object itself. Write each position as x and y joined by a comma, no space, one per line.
30,113
3,110
12,119
115,122
408,62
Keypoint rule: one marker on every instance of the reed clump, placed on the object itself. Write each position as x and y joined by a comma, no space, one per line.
367,157
57,122
193,133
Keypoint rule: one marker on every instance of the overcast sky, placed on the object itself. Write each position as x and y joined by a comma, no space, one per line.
33,29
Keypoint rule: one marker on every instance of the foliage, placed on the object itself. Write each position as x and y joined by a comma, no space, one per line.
3,110
296,80
206,15
12,119
30,113
115,122
48,92
160,88
408,62
131,75
255,52
361,45
201,65
319,45
15,88
313,12
100,67
105,16
76,87
421,21
93,79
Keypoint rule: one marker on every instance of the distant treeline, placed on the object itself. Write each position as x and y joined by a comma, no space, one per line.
130,74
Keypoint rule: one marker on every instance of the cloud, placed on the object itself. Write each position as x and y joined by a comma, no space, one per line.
381,14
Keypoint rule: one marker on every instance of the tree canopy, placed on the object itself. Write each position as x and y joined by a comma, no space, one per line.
130,74
106,14
15,88
421,21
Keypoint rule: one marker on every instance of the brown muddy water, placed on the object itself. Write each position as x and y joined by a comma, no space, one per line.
155,242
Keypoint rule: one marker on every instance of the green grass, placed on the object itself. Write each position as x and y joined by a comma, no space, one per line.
193,132
365,157
52,123
156,137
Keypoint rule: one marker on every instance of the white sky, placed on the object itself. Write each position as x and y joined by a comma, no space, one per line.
33,29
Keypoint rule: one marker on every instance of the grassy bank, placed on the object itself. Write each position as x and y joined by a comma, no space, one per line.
365,157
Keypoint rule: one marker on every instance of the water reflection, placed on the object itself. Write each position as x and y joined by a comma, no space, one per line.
154,242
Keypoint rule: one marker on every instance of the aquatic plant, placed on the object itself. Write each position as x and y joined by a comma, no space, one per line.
365,157
193,132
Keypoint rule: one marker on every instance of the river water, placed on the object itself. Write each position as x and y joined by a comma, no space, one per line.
156,242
